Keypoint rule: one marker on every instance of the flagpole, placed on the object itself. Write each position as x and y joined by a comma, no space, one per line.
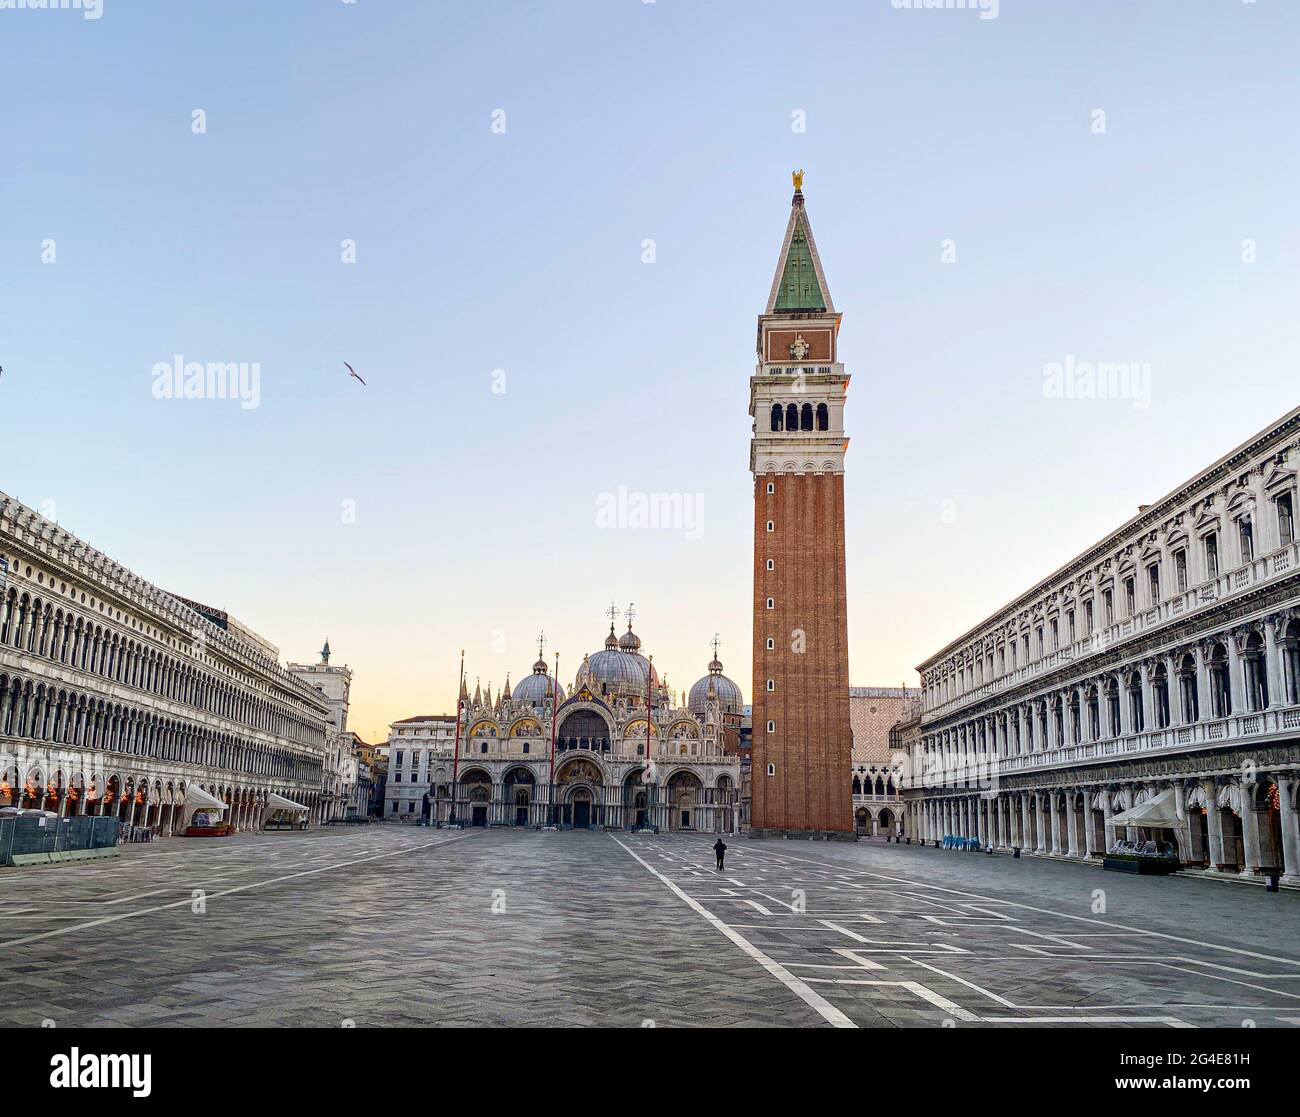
555,688
455,762
649,761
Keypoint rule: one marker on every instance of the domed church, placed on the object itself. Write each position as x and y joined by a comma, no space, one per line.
618,713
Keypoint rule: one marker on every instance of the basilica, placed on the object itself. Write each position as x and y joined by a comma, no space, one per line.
615,751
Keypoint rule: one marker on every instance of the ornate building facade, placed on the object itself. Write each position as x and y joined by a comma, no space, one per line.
116,697
878,765
617,751
341,773
1158,670
801,732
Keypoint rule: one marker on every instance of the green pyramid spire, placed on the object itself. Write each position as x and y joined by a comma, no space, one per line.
799,288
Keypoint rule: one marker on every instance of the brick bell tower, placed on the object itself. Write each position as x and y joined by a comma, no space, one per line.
802,752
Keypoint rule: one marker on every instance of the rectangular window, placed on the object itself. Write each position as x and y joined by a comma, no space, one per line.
399,758
1246,532
1212,555
1069,625
1108,605
1130,596
771,488
1087,617
771,727
1153,582
1180,570
1286,519
1056,635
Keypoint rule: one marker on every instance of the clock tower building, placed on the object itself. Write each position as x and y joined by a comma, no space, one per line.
802,751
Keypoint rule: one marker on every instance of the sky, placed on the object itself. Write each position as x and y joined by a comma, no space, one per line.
542,232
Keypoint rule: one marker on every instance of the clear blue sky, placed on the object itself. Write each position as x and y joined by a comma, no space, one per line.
625,121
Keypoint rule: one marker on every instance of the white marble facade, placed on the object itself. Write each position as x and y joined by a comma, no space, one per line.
116,696
1165,659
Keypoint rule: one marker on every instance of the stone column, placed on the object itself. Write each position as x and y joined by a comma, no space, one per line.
1236,677
1056,824
1148,698
1108,829
1204,697
1290,846
1273,664
1249,833
1213,825
1041,845
1072,824
1089,837
1174,690
1024,821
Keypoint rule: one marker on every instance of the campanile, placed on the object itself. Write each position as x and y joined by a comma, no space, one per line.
802,753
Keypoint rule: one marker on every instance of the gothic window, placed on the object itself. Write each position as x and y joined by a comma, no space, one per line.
1136,715
1256,675
824,417
1160,696
776,416
1188,688
1220,682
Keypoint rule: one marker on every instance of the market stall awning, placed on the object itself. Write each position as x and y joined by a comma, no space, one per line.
1156,811
195,796
276,802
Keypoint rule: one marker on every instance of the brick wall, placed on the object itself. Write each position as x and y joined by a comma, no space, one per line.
812,743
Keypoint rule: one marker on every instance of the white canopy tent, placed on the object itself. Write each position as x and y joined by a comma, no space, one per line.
196,799
1158,811
278,804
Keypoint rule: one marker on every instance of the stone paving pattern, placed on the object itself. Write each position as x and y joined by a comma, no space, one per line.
395,925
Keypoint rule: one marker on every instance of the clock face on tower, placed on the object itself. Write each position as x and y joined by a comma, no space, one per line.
799,348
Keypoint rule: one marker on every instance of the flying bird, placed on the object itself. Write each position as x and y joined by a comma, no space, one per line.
353,373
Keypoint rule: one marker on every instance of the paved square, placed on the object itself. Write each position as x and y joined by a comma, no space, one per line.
391,925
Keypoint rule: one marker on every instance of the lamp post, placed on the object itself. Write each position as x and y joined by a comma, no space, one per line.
555,695
455,759
650,773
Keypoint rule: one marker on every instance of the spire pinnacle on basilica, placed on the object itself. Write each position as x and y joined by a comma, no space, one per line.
799,284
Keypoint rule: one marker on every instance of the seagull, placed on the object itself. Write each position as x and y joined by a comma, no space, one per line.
352,372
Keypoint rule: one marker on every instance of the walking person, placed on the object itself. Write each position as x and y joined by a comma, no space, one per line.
720,848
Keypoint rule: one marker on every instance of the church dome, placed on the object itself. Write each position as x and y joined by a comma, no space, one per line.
616,671
630,641
535,689
729,696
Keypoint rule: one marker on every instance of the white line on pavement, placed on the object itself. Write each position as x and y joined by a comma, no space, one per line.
217,895
801,989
